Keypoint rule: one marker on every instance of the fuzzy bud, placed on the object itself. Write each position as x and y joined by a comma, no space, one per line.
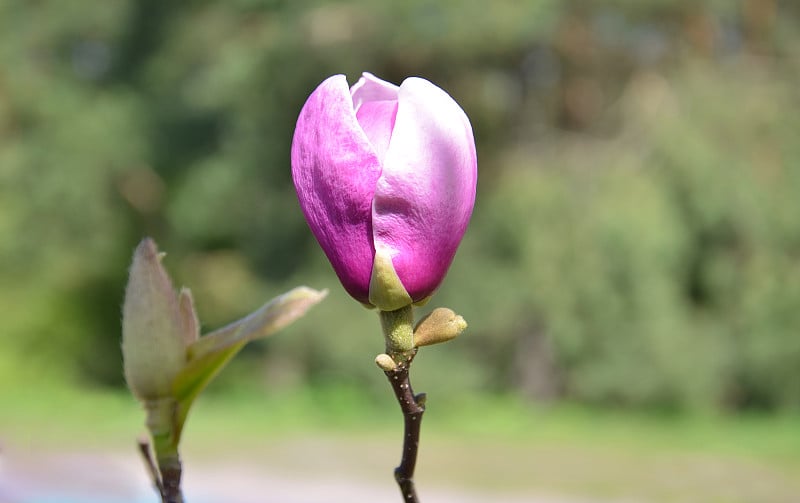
153,340
441,325
385,362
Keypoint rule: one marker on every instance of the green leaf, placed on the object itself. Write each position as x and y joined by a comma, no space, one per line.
210,353
271,317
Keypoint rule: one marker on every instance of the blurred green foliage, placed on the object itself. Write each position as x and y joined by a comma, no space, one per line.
636,238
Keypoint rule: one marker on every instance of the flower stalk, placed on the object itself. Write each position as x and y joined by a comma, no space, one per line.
412,407
403,340
398,332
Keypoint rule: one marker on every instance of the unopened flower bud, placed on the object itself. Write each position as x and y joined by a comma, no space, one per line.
385,362
380,167
441,325
153,346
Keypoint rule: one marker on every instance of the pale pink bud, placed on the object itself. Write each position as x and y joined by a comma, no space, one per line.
389,170
153,326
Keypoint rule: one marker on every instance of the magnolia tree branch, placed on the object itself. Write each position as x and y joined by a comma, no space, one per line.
152,470
171,475
412,407
166,476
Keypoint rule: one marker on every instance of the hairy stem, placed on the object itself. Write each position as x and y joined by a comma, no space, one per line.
398,332
412,407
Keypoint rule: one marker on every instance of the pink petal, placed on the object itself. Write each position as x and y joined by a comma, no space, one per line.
335,169
426,192
377,120
371,88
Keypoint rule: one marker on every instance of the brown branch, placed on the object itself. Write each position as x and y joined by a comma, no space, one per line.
412,407
150,464
172,482
166,476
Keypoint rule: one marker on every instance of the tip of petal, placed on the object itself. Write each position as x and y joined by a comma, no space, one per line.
371,88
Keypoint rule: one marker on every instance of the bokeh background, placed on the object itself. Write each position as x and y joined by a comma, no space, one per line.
633,263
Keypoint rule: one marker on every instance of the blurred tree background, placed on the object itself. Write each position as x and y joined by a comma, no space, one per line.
635,241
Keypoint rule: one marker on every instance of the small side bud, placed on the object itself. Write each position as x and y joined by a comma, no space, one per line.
385,362
153,347
441,325
386,291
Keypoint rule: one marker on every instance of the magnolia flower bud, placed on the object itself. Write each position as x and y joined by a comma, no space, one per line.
153,339
441,325
386,178
385,362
